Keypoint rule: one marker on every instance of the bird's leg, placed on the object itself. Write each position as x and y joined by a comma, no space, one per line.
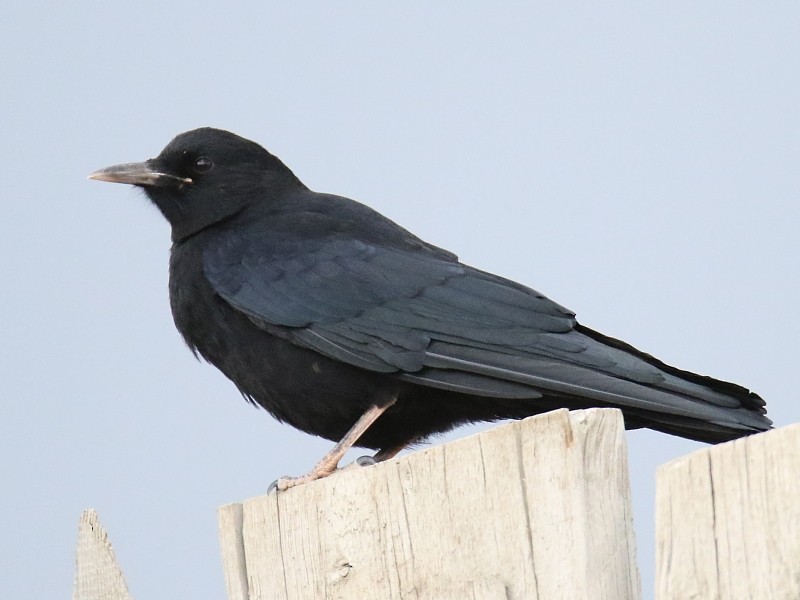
389,453
329,463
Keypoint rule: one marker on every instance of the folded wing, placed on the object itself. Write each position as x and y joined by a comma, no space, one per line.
426,318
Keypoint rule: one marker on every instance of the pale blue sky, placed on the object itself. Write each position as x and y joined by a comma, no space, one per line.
637,163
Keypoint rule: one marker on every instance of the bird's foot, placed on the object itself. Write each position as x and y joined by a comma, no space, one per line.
330,462
286,482
365,461
318,472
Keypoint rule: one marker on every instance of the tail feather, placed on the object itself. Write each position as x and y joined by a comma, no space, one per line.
746,410
604,372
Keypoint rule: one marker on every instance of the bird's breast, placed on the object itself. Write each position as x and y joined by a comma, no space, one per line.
296,385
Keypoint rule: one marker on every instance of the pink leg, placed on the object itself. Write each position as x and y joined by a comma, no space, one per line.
329,463
389,453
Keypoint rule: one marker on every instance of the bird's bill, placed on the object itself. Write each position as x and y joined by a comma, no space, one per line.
143,174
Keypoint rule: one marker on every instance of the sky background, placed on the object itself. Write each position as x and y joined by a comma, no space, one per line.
637,163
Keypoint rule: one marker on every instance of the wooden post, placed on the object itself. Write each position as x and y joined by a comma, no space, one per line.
535,509
97,574
728,520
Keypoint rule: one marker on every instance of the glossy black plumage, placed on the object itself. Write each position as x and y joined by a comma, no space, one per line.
317,307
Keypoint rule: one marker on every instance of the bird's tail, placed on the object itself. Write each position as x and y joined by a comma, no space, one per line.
710,410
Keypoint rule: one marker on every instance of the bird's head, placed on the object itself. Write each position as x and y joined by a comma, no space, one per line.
205,176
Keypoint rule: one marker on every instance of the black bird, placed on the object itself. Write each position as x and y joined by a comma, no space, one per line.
343,324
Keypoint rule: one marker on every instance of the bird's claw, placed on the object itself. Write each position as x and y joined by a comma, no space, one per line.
286,482
366,461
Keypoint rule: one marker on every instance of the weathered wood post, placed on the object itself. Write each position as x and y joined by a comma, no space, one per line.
728,520
97,574
535,509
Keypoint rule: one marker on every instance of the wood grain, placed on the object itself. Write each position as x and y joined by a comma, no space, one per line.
728,520
97,574
535,509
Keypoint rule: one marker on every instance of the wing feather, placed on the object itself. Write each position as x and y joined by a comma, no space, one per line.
424,317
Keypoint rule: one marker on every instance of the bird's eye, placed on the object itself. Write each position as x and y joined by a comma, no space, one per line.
203,164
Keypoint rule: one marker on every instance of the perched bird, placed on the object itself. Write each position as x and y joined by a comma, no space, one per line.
344,325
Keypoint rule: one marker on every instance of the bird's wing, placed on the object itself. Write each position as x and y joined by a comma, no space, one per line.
429,319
